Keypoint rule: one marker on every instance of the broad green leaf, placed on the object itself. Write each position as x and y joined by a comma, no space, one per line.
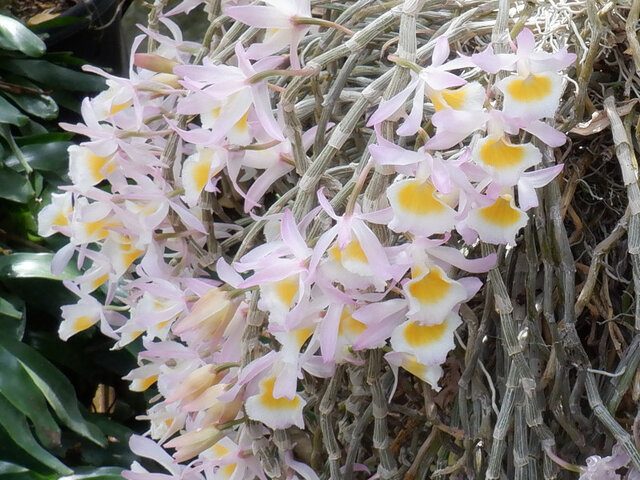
15,36
28,475
99,473
31,265
18,388
60,21
41,106
15,186
56,388
32,128
51,156
16,426
10,114
49,137
64,58
53,76
12,319
8,467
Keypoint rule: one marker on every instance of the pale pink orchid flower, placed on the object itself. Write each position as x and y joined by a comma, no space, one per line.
427,373
87,312
276,161
55,217
356,247
535,91
431,81
283,272
604,468
278,17
147,448
265,405
231,85
228,460
525,59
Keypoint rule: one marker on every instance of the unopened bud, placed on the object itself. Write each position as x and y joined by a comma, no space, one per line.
155,63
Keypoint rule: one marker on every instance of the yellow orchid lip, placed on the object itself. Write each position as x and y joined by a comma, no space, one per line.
504,161
535,95
498,153
499,222
468,97
198,169
417,208
432,295
276,413
418,198
429,344
417,335
501,213
286,290
531,88
431,288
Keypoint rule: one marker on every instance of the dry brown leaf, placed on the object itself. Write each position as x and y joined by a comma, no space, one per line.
599,120
42,17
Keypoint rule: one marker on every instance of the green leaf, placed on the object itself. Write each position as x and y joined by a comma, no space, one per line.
51,156
10,114
28,475
53,76
15,186
32,265
8,467
60,21
18,388
56,388
49,137
15,36
12,319
41,106
18,429
100,473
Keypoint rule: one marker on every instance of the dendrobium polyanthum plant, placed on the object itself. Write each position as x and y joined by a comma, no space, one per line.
176,138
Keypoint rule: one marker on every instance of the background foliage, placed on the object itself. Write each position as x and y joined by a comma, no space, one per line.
48,428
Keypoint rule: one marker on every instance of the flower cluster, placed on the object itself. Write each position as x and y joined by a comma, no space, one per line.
138,217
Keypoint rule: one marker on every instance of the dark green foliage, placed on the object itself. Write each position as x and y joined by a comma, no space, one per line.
46,385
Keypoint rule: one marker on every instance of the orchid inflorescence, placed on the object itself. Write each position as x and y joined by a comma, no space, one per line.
321,289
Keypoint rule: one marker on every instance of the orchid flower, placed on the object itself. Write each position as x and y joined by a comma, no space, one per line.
281,270
275,412
357,249
498,222
536,89
430,344
435,81
279,18
234,87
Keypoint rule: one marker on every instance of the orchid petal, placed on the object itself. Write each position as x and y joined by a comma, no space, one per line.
526,43
389,107
291,235
413,121
440,51
257,16
546,133
262,105
439,80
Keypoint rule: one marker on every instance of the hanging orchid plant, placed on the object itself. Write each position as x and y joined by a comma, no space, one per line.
254,262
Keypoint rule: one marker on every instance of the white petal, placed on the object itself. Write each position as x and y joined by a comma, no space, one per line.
432,295
429,343
416,209
534,96
503,161
499,222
